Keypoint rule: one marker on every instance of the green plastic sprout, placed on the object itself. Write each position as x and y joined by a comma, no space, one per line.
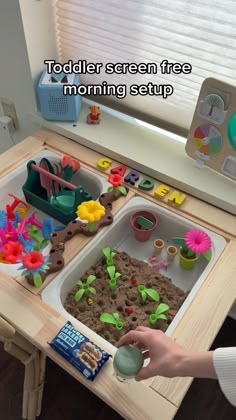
109,256
112,319
159,314
113,276
153,294
85,288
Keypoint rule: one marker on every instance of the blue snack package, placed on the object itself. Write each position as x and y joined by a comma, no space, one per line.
82,353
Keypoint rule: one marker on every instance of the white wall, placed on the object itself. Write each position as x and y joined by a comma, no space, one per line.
15,76
38,22
26,40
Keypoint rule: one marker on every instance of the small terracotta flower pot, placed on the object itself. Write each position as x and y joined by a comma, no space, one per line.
172,251
143,232
158,246
187,263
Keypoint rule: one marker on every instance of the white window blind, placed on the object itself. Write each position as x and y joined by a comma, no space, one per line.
199,32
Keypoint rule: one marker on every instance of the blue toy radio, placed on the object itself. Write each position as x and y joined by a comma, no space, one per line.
54,105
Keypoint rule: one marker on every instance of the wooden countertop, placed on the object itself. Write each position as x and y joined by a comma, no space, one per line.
39,323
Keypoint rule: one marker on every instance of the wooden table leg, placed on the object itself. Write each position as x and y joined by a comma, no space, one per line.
35,365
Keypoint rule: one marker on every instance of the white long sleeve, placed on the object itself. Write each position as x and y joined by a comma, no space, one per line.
224,360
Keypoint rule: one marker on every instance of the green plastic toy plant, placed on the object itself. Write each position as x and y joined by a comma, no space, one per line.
85,288
109,256
113,276
195,242
151,293
112,319
117,187
159,314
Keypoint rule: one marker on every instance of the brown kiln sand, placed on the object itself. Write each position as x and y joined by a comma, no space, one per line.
126,295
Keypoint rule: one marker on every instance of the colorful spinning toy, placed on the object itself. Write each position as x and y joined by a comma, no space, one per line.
208,140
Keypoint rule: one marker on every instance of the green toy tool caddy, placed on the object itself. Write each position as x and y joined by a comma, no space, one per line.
41,192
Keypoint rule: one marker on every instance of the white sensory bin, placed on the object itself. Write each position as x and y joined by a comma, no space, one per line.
12,183
120,236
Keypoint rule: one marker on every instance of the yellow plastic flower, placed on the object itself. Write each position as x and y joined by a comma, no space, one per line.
92,211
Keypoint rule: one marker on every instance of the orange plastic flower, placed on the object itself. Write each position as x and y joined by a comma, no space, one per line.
69,161
92,211
33,260
115,180
13,252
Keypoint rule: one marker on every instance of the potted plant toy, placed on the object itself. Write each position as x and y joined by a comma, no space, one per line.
112,319
195,243
143,223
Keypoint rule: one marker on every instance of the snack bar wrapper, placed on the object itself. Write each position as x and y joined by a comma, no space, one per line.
82,353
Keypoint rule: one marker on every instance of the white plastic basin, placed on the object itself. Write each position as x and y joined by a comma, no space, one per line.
12,183
120,236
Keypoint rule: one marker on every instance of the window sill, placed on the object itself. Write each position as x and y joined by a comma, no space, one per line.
160,155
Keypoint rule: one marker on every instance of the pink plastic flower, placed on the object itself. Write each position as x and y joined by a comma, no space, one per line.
198,241
152,259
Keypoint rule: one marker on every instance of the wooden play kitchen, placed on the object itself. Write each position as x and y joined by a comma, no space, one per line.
28,323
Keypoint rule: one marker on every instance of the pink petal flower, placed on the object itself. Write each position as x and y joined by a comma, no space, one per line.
198,241
156,265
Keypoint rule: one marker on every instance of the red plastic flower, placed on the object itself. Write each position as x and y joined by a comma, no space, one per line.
69,161
13,252
198,241
115,180
33,260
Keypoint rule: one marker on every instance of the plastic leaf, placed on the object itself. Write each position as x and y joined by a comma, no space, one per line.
90,279
111,271
80,283
109,189
117,275
107,252
107,318
181,242
123,190
162,316
92,290
116,316
38,280
208,255
161,309
190,253
144,296
79,295
153,294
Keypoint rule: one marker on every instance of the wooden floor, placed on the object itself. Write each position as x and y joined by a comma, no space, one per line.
66,399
